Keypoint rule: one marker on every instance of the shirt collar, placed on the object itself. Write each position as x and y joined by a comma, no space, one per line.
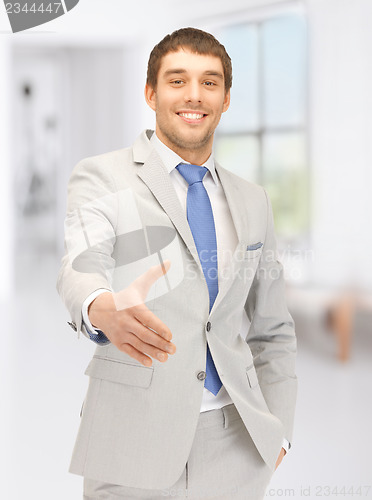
171,159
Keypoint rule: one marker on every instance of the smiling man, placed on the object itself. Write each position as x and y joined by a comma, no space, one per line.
185,399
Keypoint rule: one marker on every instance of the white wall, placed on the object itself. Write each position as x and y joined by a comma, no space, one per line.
6,257
341,135
97,113
6,213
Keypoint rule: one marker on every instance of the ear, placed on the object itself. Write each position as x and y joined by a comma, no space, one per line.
150,96
226,102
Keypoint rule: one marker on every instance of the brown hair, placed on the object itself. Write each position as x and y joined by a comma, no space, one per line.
198,41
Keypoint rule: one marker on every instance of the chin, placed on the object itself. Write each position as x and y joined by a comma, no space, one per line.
191,144
194,140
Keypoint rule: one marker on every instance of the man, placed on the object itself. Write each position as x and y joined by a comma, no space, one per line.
166,250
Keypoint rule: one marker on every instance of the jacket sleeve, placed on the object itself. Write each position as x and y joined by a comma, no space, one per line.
89,237
271,336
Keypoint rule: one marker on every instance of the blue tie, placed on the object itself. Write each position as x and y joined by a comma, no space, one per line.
201,222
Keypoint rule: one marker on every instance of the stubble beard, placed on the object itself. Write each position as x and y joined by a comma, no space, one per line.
179,143
187,144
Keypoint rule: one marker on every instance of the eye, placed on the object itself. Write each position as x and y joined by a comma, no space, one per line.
209,84
177,82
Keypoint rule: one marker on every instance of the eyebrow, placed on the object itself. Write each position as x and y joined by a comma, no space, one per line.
179,71
214,73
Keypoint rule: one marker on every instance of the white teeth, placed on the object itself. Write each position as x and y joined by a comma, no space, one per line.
191,116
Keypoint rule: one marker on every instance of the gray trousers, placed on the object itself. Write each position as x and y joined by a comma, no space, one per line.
223,464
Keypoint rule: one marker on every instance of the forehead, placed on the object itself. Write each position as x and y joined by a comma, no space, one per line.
190,62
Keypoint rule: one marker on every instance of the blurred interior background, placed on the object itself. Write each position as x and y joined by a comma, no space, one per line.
301,113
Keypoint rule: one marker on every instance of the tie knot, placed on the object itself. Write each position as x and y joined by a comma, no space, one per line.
191,173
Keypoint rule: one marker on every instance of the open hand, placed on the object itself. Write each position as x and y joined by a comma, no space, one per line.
129,324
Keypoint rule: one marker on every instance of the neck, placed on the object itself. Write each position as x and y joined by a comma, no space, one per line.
197,156
194,157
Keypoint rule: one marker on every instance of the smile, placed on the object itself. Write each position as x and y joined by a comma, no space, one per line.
191,117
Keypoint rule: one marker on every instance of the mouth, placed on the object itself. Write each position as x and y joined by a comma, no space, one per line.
191,117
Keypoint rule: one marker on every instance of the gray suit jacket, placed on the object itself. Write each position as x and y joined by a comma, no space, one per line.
138,423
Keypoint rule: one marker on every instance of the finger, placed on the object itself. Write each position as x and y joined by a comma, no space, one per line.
150,337
135,354
148,349
129,325
280,458
151,321
135,294
144,282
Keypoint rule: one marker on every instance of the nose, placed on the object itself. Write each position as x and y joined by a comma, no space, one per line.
193,92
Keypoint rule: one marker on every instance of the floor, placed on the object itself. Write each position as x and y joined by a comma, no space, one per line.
43,386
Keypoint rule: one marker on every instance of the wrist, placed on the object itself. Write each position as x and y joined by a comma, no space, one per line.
99,306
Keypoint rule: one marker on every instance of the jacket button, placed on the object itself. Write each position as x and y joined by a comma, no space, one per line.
73,325
209,326
201,375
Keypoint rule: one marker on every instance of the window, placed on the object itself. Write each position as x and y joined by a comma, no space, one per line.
263,135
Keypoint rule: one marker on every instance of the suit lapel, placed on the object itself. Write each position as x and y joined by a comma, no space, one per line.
233,197
231,189
155,176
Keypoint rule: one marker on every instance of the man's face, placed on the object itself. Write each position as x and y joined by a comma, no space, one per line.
189,100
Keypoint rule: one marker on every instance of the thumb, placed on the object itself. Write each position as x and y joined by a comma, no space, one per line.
144,282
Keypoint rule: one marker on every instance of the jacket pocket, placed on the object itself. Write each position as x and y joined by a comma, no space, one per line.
252,376
120,372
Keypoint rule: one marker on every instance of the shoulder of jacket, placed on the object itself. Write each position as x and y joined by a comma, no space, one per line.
241,183
106,159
